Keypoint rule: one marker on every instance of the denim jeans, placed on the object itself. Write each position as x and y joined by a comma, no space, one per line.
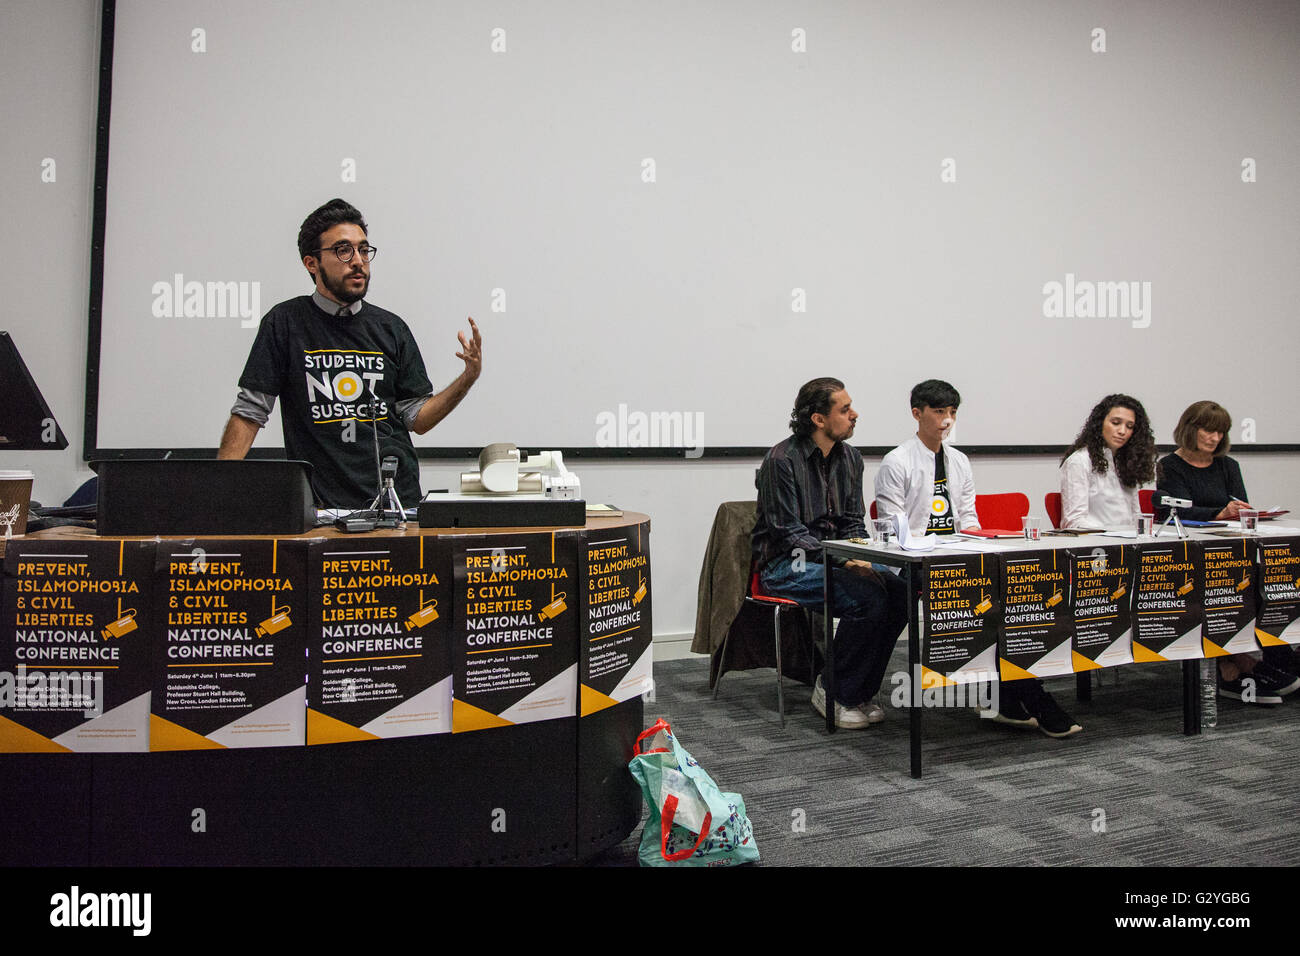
872,614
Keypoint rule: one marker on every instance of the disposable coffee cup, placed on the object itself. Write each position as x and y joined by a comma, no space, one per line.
15,496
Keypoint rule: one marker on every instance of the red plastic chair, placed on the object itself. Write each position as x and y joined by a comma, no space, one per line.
1002,511
756,595
1052,503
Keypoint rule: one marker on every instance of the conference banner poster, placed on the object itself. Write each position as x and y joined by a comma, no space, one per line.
1278,620
615,656
1101,602
961,611
1230,597
1167,602
514,636
229,666
1037,626
75,646
378,664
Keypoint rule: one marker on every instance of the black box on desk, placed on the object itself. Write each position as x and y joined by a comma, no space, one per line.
179,496
501,511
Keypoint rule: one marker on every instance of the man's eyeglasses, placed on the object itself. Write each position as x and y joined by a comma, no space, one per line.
345,251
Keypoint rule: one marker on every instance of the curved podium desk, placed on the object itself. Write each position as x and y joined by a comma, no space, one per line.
548,791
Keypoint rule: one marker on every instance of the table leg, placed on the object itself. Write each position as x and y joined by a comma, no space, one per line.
1191,698
914,667
1083,686
828,673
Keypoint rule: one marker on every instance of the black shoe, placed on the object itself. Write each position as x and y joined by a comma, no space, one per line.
1273,680
1052,720
1247,690
1283,658
1011,709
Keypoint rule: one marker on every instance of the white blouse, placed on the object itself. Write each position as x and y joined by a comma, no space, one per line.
1090,500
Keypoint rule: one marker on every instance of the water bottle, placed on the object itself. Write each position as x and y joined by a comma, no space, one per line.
1209,693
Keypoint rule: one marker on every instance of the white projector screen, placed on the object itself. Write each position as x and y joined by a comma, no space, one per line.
692,208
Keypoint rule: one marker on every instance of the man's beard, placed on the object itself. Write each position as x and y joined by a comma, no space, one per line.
339,289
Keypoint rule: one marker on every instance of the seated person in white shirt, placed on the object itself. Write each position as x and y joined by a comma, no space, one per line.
925,479
1113,455
932,484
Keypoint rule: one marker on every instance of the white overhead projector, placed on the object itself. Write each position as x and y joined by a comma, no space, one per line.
500,472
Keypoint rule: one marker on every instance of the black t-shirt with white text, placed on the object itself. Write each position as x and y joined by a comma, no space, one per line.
324,369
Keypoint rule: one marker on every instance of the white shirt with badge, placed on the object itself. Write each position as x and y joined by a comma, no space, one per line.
905,485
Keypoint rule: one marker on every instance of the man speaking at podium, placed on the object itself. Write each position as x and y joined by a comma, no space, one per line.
341,367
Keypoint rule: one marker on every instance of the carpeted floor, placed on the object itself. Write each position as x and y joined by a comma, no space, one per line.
1130,790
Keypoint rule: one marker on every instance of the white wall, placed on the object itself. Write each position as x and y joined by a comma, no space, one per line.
48,66
49,54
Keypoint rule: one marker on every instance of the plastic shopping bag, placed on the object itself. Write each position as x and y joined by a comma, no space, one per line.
691,822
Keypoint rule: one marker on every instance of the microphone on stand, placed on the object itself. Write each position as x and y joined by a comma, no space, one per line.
386,499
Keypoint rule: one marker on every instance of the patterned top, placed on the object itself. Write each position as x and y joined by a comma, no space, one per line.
805,497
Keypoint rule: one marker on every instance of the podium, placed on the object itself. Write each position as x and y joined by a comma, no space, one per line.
527,792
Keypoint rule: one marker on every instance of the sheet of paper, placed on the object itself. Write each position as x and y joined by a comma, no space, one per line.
908,541
972,544
1273,528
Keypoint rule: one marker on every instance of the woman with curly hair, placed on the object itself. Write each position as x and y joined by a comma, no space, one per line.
1114,454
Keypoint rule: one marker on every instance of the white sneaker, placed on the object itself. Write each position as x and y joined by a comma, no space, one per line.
847,718
875,713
